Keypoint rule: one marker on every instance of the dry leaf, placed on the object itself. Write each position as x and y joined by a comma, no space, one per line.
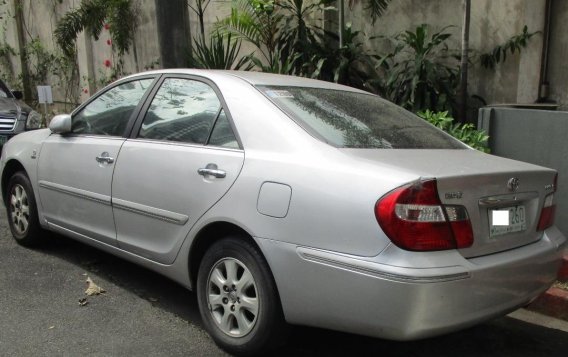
92,288
83,302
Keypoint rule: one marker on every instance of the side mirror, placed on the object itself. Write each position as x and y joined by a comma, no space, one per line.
18,94
60,124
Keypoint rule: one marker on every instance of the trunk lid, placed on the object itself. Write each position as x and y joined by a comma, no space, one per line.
480,183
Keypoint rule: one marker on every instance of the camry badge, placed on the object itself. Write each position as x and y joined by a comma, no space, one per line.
513,184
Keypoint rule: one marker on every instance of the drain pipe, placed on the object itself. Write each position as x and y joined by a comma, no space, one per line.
544,86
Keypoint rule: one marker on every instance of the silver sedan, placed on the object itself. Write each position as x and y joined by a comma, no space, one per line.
287,200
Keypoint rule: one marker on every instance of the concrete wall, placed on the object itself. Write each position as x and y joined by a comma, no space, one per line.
558,75
492,23
534,136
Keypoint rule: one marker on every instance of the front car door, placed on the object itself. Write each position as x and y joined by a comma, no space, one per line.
183,156
75,169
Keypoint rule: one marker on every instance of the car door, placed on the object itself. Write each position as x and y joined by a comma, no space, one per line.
182,157
75,169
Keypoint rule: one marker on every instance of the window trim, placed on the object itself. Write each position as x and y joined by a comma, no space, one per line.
134,114
135,130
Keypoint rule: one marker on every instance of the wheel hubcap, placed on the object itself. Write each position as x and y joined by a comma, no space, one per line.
232,297
19,208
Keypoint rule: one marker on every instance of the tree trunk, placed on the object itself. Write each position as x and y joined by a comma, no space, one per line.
173,33
462,94
26,81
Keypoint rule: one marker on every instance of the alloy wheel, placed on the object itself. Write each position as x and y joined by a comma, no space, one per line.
232,297
19,208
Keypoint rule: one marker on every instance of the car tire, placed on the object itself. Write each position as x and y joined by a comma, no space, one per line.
22,211
238,299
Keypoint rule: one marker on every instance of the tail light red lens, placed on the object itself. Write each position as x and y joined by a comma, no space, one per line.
548,209
413,218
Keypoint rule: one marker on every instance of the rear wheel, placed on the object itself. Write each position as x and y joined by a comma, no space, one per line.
22,210
238,300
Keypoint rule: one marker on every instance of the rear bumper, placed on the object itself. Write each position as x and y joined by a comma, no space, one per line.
418,300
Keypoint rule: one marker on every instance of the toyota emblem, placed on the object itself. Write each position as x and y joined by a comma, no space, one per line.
513,184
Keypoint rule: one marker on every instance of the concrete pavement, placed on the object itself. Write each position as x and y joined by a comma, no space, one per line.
144,314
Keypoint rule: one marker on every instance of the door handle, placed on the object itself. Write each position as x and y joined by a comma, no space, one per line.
104,158
211,170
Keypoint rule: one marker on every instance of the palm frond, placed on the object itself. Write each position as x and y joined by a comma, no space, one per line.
377,8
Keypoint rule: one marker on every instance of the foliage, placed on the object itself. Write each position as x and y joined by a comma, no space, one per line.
92,16
298,37
376,8
220,53
350,65
256,22
6,54
279,30
467,133
281,64
499,53
45,65
199,9
419,73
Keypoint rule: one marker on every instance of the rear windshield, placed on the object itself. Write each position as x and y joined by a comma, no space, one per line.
355,120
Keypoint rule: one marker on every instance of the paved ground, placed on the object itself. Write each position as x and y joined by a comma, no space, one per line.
144,314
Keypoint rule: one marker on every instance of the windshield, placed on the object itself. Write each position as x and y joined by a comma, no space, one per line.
356,120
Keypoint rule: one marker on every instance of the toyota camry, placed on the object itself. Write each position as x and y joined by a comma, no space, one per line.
282,200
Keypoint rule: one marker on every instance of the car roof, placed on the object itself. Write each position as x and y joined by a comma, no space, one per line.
256,78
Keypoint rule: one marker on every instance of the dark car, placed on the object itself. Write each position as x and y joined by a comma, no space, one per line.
15,116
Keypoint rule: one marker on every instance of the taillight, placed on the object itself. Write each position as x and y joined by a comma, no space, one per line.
548,209
413,217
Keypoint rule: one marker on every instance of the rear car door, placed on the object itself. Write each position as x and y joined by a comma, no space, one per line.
75,169
182,157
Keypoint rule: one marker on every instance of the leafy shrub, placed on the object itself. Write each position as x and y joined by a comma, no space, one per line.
419,73
467,133
222,52
499,53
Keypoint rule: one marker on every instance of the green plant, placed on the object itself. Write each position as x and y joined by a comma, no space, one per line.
52,67
420,73
118,16
350,64
298,36
6,72
256,22
499,53
199,9
221,52
280,31
281,64
467,133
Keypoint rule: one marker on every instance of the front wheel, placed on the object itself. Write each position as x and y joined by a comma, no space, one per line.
238,300
22,210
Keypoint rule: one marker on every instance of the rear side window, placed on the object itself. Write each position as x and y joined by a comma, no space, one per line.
222,134
356,120
183,110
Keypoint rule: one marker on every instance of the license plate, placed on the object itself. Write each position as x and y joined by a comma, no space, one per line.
507,220
3,139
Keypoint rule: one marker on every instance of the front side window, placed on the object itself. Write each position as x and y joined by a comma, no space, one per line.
356,120
183,110
109,113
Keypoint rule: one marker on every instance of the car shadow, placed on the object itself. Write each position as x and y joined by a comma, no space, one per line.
501,337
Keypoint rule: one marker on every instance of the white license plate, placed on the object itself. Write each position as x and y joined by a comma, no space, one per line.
507,220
